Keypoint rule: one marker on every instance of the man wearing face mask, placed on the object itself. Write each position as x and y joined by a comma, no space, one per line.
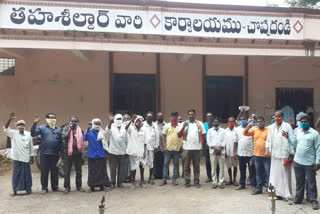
244,149
279,136
158,156
272,120
261,159
50,148
117,150
152,141
231,161
207,125
72,148
298,117
306,161
217,143
171,145
22,155
97,147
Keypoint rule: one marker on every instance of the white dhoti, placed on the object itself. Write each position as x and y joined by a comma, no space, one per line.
149,158
136,161
279,177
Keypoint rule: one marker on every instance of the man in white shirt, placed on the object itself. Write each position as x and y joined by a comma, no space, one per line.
136,148
193,133
22,155
278,145
244,149
217,143
152,141
158,162
117,150
231,161
127,173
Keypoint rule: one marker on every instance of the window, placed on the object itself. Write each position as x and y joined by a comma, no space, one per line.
298,99
134,93
7,66
223,96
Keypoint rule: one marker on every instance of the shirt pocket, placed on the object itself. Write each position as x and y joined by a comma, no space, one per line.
140,137
25,143
306,138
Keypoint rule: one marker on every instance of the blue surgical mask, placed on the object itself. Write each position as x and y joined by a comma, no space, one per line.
74,126
243,122
272,121
304,125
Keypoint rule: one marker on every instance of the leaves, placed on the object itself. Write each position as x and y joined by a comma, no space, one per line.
303,3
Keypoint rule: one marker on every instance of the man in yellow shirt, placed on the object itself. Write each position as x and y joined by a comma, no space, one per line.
261,159
171,148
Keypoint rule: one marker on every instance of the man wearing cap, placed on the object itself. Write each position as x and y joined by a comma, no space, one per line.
306,161
22,155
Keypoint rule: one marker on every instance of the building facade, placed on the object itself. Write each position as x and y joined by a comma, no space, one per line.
90,58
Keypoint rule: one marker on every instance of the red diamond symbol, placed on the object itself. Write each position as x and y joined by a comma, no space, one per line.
298,26
155,21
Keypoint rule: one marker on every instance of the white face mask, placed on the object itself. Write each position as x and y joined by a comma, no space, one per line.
94,126
118,123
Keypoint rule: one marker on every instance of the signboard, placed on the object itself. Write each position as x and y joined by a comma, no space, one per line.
149,21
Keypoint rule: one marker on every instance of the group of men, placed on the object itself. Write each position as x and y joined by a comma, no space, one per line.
268,152
132,143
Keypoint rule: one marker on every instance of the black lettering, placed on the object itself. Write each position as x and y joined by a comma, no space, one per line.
103,18
18,16
65,16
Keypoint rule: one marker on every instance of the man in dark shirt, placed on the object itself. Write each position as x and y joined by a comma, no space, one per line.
50,148
73,146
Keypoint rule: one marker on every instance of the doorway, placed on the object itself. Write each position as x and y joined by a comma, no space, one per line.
134,93
223,96
298,99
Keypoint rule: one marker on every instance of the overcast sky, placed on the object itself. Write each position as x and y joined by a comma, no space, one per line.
237,2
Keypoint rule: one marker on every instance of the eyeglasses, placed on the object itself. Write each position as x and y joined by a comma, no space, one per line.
21,124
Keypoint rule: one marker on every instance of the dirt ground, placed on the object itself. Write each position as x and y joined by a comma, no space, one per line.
5,168
149,199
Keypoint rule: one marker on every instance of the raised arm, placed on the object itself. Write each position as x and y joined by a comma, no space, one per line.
246,131
7,130
180,133
12,116
86,134
134,116
34,130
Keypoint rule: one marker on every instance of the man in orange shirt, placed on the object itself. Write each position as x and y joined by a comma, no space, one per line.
261,159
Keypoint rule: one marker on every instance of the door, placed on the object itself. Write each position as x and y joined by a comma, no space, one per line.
134,93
